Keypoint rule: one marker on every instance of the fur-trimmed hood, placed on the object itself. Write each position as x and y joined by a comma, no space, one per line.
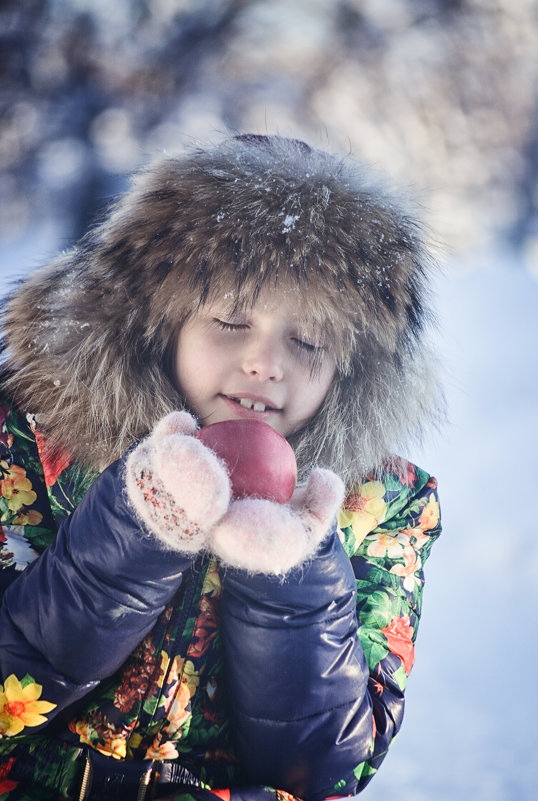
89,338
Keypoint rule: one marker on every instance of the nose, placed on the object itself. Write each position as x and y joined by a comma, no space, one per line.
264,359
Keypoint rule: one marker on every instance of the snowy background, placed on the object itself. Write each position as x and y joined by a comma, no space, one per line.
442,94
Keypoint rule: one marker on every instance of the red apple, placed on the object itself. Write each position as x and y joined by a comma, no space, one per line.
259,459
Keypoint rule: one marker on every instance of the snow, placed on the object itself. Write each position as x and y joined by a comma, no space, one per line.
289,223
469,728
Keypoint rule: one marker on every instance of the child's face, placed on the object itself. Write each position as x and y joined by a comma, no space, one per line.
254,364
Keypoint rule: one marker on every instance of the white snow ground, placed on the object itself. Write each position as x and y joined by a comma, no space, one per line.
469,730
470,725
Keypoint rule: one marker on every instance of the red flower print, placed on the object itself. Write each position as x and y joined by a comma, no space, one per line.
405,471
4,438
376,686
6,767
399,635
6,785
211,716
53,459
205,627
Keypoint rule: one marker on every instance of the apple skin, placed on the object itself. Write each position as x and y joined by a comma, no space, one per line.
259,459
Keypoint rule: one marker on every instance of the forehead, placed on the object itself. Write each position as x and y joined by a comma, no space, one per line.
311,313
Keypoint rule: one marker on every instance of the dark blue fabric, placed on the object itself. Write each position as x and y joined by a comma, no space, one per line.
76,613
297,675
300,696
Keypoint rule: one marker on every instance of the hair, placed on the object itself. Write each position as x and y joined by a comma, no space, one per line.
90,337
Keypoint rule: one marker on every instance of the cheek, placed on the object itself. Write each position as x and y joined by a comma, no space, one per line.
324,381
187,356
312,392
196,366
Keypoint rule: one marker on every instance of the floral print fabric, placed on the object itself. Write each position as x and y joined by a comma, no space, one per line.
168,701
19,705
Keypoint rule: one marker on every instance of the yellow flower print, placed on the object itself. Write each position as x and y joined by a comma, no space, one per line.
429,517
16,487
97,732
364,509
175,669
212,582
82,728
134,741
158,750
179,711
19,706
29,517
116,748
189,676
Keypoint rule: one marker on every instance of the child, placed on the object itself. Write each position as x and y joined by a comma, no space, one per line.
167,641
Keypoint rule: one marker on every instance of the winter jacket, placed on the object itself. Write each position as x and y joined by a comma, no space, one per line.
246,681
234,683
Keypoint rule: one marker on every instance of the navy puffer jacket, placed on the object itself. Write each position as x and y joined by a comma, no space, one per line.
254,680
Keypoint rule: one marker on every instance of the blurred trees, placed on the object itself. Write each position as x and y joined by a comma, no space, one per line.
439,93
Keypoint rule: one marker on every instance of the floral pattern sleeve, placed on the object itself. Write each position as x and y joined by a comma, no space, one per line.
388,526
27,526
36,491
26,522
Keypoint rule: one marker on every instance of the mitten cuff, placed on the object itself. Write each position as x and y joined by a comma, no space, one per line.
155,507
178,488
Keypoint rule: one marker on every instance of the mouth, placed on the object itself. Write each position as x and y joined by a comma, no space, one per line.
253,404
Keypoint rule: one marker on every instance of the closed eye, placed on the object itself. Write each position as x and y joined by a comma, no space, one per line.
229,326
308,346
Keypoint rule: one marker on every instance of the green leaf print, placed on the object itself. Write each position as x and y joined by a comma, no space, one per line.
26,680
39,537
374,645
378,576
377,611
364,769
400,677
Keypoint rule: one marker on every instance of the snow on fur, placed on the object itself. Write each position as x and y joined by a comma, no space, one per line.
90,337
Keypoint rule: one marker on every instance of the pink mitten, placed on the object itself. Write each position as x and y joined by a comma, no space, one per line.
266,537
177,486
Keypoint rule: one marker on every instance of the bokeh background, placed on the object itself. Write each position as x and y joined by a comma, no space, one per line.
440,94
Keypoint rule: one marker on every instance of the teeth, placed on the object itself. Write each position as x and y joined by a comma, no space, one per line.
258,406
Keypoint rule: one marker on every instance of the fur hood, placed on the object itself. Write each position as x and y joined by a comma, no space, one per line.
89,338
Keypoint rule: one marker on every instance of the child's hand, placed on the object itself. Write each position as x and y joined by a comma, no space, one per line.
266,537
178,487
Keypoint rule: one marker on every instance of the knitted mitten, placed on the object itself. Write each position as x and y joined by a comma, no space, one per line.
262,536
177,486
